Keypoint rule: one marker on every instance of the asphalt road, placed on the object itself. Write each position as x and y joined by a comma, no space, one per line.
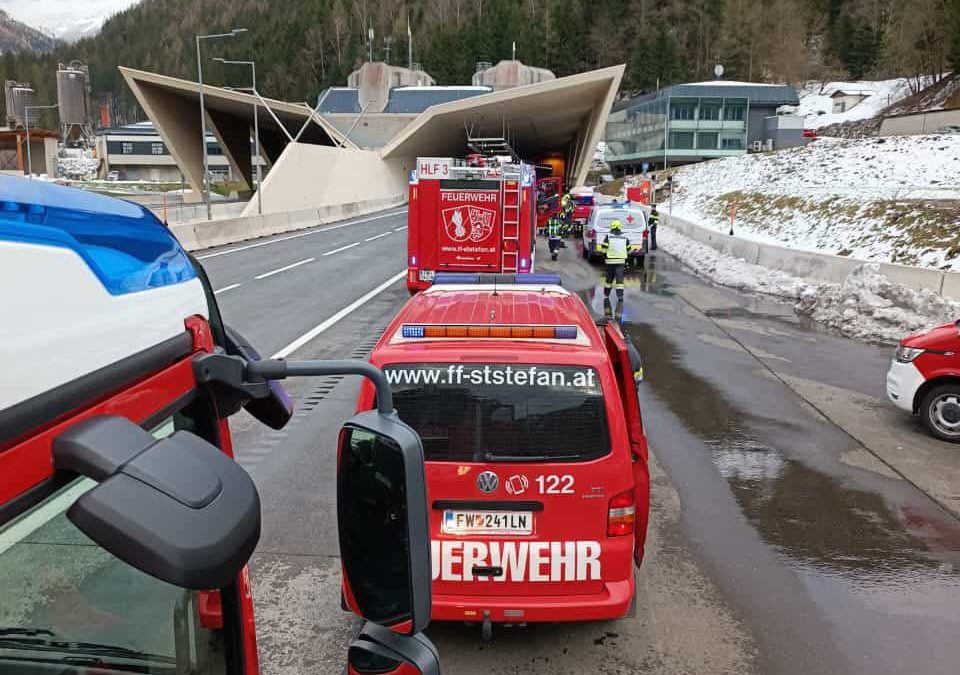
799,524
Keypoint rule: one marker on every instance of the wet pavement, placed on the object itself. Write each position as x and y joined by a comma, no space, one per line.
799,523
834,561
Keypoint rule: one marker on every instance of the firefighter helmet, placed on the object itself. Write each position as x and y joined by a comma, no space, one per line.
616,227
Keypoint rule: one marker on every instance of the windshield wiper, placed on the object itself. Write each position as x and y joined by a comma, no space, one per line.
25,640
496,457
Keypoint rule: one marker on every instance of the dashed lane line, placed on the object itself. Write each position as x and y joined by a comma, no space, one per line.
333,320
283,269
378,236
400,229
342,248
227,288
297,236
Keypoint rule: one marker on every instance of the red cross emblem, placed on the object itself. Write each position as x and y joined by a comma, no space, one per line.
630,219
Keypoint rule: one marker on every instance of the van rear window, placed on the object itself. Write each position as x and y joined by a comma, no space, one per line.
502,412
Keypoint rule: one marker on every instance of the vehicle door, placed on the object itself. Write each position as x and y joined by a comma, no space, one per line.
627,383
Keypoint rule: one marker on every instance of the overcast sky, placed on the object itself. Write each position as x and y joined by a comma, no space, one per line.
56,13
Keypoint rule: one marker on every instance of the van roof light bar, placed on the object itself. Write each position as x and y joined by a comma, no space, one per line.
468,278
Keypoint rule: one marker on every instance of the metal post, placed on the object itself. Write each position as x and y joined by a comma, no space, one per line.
29,162
26,119
256,123
256,137
203,136
203,116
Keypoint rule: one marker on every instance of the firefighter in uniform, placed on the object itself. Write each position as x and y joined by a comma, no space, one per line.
615,247
566,208
654,221
554,239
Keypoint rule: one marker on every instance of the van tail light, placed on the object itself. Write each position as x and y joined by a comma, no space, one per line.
622,514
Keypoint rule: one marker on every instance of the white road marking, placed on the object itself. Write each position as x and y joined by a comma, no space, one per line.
399,229
378,236
284,269
227,288
342,248
317,330
297,236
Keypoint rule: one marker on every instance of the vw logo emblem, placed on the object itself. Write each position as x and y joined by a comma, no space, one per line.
488,482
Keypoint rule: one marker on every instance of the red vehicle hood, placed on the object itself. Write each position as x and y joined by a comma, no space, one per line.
941,338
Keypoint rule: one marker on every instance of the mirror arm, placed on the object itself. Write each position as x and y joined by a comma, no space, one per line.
250,378
279,369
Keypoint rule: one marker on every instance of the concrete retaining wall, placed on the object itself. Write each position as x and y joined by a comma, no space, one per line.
206,234
815,266
316,176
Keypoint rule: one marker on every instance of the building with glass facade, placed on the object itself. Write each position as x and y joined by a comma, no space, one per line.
693,122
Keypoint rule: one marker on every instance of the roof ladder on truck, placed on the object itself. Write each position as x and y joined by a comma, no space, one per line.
510,199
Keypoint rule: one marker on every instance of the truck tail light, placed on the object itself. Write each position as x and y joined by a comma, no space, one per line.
622,514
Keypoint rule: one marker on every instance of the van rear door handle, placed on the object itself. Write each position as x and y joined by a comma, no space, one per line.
487,571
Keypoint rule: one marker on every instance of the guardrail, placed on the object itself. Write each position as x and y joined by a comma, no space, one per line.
815,266
202,234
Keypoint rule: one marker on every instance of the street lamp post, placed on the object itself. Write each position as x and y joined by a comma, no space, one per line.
256,124
26,120
203,116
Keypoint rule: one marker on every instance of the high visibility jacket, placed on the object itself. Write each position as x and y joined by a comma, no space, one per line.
553,228
654,219
615,246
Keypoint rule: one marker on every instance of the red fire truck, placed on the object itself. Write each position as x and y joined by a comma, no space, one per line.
470,215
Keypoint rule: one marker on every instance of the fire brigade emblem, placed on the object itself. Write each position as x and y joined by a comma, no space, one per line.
488,482
516,484
469,223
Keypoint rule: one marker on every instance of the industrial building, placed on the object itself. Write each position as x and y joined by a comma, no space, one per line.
689,123
138,152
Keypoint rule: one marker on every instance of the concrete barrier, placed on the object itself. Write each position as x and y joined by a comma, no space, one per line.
814,266
203,234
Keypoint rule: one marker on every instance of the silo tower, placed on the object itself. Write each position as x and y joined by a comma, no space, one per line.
73,97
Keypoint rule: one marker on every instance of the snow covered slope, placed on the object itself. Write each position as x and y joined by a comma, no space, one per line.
816,104
894,199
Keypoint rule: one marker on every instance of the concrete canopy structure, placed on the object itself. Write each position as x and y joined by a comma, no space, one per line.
557,118
172,104
555,122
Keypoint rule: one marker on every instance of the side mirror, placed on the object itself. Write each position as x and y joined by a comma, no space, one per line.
275,409
383,522
177,509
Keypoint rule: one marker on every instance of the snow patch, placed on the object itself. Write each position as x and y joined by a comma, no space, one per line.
875,199
816,104
866,306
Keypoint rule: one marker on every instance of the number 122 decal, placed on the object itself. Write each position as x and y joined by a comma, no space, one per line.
555,485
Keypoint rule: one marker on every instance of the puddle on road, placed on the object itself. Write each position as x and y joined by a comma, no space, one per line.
819,522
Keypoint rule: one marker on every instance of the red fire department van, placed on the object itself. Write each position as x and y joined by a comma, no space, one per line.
535,453
469,216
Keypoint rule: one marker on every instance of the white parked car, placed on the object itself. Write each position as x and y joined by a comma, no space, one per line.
635,229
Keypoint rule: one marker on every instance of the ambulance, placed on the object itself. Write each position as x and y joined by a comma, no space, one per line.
124,525
474,214
536,458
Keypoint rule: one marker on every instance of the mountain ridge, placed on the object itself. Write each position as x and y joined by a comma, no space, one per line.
16,37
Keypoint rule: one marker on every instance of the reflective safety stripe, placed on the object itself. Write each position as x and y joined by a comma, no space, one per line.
608,284
619,287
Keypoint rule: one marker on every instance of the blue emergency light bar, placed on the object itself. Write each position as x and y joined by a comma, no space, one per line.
481,278
123,244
